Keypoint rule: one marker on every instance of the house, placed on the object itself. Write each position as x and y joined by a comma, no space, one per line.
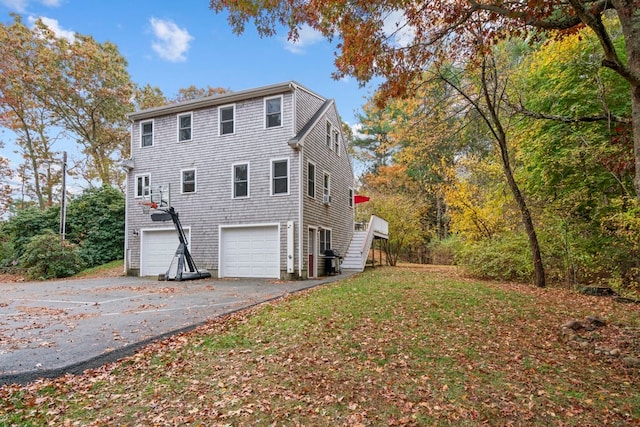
261,180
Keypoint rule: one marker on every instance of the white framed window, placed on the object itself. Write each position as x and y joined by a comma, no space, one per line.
336,141
146,133
279,176
188,181
273,112
311,180
329,127
227,115
142,185
185,127
325,240
240,180
351,197
326,184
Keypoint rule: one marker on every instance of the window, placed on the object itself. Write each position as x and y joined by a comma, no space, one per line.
311,180
240,180
273,109
351,197
146,134
142,185
326,185
280,177
329,135
184,127
336,141
325,240
189,181
227,119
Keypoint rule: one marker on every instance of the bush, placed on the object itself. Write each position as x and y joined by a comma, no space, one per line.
506,257
95,221
46,257
445,252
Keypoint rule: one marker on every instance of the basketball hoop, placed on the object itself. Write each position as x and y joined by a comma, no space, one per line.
147,206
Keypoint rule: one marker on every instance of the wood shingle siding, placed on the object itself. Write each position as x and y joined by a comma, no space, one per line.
212,155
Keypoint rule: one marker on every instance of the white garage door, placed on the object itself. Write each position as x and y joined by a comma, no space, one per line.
157,250
250,252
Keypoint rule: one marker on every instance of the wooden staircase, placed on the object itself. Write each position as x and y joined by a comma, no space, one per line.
356,257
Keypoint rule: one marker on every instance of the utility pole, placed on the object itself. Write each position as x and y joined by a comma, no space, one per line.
63,203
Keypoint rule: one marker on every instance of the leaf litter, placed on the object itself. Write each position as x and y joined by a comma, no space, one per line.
393,346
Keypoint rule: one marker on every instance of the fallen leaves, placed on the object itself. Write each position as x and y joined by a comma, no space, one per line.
389,347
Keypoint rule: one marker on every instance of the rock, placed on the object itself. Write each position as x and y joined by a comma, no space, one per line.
573,324
596,321
615,352
631,362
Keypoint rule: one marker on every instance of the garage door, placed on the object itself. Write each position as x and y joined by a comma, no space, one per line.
157,250
250,252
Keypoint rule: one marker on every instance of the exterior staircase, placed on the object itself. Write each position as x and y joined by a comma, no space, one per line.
356,257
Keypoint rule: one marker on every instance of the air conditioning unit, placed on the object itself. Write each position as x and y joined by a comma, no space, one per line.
326,199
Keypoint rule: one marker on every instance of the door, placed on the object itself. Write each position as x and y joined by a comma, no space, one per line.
157,249
312,245
252,251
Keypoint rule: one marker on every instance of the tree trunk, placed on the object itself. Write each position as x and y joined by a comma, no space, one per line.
534,245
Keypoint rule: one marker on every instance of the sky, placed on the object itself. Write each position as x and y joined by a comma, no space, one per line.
176,44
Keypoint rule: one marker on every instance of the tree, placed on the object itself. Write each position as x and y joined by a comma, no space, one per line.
148,97
23,112
87,89
193,92
426,31
5,188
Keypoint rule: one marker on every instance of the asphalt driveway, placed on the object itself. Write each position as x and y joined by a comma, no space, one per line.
51,328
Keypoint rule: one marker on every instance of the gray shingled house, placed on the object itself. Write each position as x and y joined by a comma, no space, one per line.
261,180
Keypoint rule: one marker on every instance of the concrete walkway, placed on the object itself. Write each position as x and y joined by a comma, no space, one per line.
48,329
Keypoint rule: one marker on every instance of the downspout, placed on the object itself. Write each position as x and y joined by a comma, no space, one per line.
126,206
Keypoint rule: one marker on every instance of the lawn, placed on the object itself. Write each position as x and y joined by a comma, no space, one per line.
391,346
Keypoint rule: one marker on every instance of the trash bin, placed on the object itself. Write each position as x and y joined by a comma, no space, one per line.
332,262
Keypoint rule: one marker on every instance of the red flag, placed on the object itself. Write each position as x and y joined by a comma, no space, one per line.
360,199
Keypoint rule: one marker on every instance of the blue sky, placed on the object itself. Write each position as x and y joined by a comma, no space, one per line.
176,44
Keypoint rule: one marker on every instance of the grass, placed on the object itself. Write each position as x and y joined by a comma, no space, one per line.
393,346
113,268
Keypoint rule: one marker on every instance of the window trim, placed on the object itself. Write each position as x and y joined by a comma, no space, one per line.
272,189
195,180
326,191
139,192
323,236
336,141
233,180
190,114
309,181
351,196
233,120
266,122
153,127
328,134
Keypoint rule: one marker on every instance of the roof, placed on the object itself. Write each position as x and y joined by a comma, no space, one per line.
225,98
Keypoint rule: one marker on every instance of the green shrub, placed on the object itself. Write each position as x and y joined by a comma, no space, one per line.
446,251
46,257
505,257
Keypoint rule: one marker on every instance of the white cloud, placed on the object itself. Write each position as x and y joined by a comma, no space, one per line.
172,42
307,36
54,26
16,5
21,5
395,26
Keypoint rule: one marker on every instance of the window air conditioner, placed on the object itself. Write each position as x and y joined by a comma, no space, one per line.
326,199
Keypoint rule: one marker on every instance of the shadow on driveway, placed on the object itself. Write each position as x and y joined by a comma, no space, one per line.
48,329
